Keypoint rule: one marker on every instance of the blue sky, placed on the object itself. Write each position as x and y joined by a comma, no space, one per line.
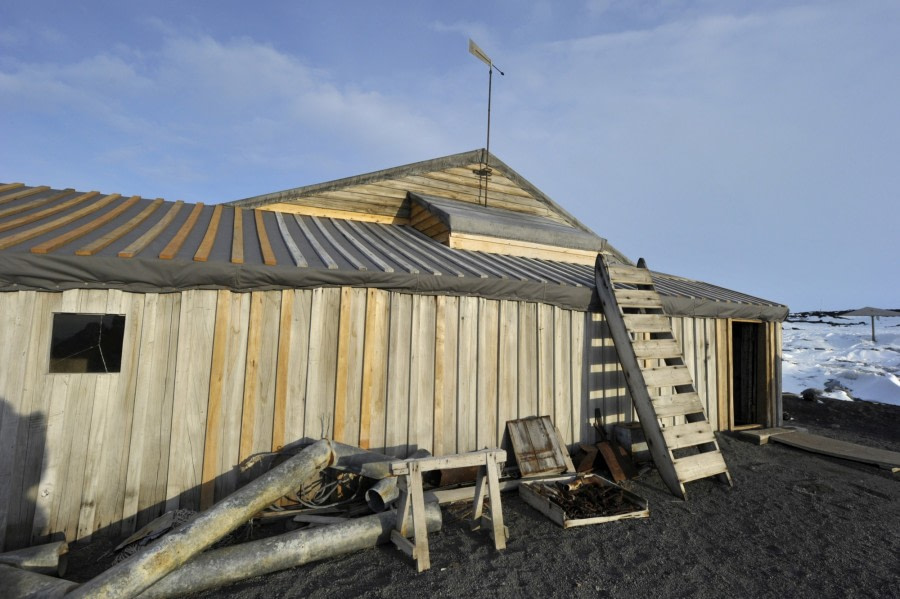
754,145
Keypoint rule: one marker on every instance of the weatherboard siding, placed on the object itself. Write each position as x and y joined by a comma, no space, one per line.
211,378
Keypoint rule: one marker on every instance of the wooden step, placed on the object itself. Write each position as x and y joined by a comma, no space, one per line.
688,435
679,404
647,323
700,466
629,275
667,376
649,349
634,298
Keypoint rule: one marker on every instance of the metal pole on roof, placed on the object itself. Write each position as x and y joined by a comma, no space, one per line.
478,53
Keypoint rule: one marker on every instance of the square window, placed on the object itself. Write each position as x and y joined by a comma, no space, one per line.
87,342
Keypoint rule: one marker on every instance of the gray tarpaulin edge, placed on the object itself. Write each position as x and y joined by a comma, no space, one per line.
26,271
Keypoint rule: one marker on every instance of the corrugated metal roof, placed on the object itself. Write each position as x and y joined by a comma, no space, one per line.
58,239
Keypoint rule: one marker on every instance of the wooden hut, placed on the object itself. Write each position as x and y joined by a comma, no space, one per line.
148,348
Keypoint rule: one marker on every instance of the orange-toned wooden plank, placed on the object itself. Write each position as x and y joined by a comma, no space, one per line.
264,245
16,238
138,245
98,244
22,194
209,238
82,230
281,369
173,246
8,186
30,218
237,238
343,354
32,205
214,407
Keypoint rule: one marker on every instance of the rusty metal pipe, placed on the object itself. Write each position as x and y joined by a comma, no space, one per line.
232,564
132,576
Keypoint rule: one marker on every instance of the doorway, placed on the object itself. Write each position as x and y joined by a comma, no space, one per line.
749,388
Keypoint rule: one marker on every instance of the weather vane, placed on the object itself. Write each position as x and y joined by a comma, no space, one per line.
478,53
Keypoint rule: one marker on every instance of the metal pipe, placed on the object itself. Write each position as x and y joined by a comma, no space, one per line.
44,559
132,576
23,584
382,494
232,564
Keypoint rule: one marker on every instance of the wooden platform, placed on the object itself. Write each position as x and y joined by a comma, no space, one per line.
762,436
888,460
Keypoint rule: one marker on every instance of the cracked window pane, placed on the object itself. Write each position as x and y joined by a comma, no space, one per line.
87,342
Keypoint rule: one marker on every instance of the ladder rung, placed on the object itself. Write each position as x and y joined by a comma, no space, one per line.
647,323
648,349
680,404
688,435
700,466
629,275
667,376
633,298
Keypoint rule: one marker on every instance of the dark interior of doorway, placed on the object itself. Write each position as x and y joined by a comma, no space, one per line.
749,383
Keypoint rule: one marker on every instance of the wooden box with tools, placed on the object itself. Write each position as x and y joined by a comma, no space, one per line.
583,499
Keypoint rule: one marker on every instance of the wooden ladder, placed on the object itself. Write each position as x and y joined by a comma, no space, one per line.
660,384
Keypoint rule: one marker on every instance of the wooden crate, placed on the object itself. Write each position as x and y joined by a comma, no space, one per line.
556,513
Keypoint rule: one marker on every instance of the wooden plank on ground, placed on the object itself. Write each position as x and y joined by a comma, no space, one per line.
883,458
536,446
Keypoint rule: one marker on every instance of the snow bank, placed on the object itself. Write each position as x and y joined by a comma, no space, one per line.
837,354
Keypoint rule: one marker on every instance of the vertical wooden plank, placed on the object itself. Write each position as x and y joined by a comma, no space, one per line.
488,345
709,355
17,314
527,366
298,366
562,372
545,360
507,367
343,365
196,324
259,378
355,350
371,420
577,361
320,381
232,400
440,328
466,376
421,375
213,440
147,465
281,368
449,418
723,372
397,405
777,417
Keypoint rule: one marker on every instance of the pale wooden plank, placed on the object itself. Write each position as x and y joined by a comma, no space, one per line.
647,323
667,376
213,439
680,404
139,244
196,327
282,373
355,351
447,422
631,298
527,364
421,375
397,407
316,244
174,245
33,205
688,434
295,252
712,366
699,466
48,226
440,329
649,349
84,229
104,241
507,367
320,383
467,363
562,373
371,420
117,440
298,366
545,360
341,383
630,275
151,417
723,374
488,357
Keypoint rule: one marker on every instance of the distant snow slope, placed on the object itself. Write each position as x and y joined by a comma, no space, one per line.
836,354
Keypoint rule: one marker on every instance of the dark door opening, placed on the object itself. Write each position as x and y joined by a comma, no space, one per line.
748,344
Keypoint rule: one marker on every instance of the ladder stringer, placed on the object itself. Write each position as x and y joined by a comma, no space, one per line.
651,358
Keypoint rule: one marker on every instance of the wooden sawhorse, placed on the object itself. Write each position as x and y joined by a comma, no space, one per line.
412,498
